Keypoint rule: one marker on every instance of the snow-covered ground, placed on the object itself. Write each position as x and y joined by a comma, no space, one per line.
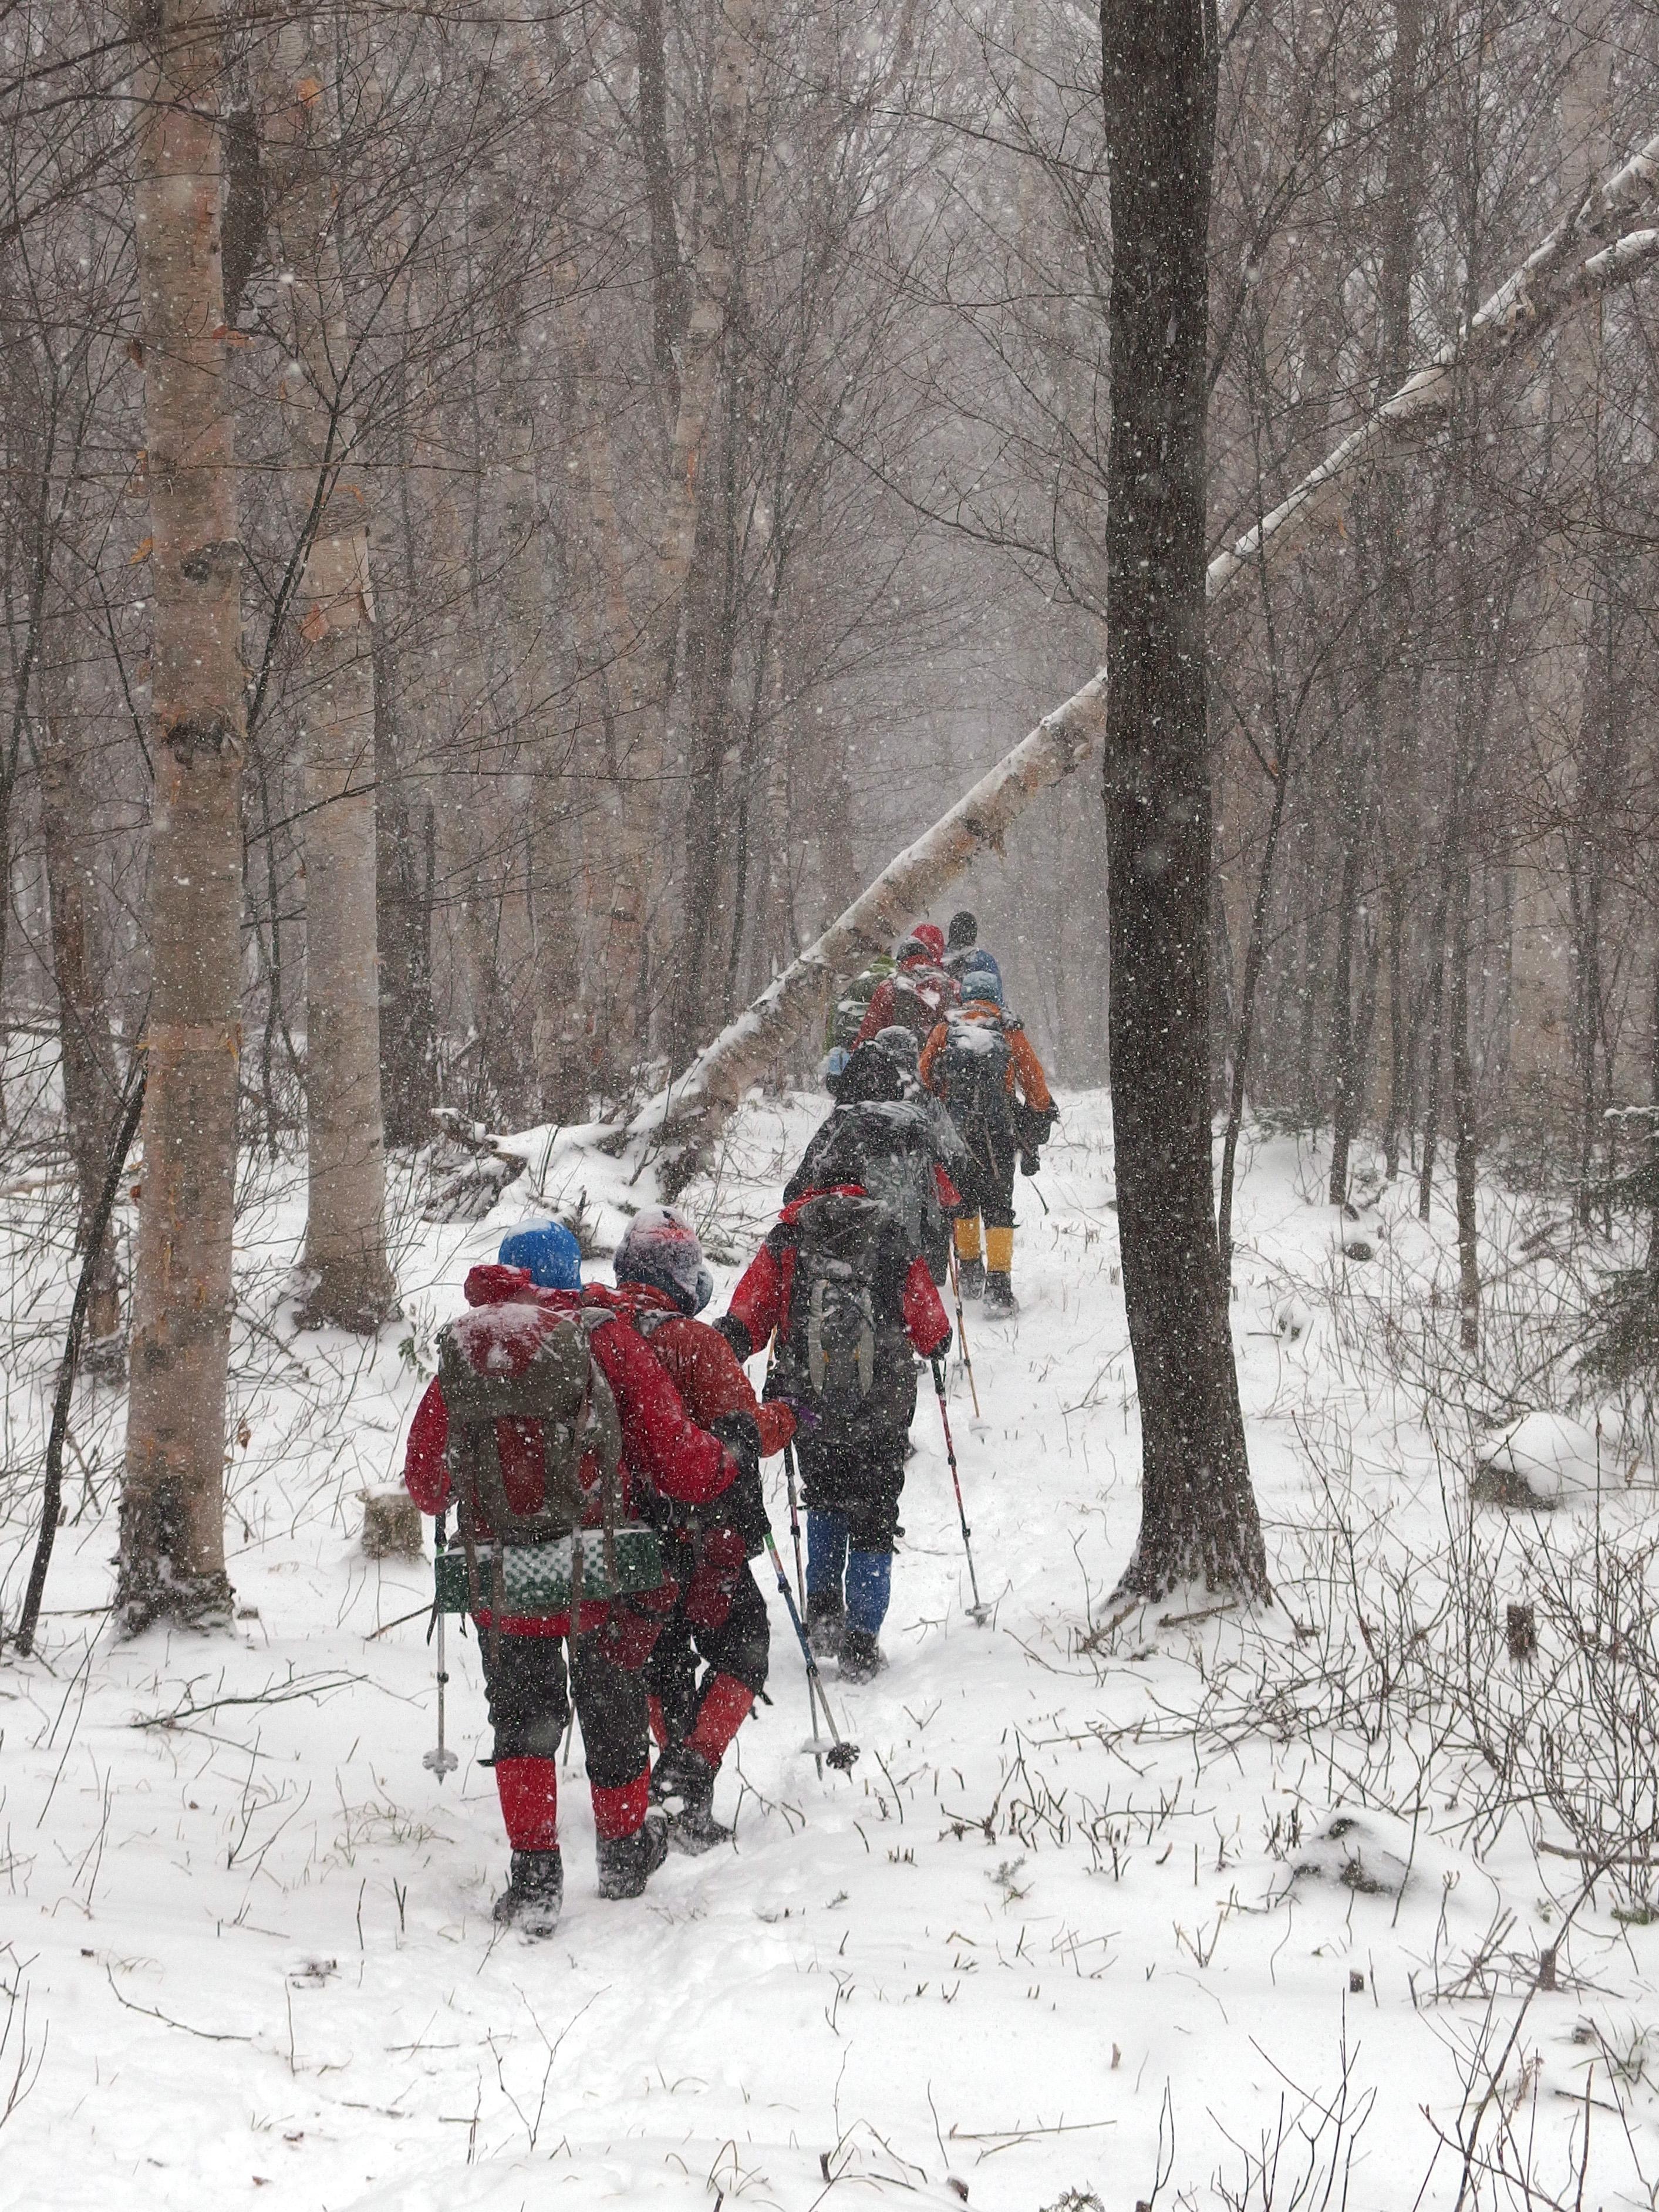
1108,1908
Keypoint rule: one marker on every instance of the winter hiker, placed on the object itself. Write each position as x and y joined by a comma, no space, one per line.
918,994
543,1419
899,1149
845,1015
962,950
720,1616
844,1296
980,1062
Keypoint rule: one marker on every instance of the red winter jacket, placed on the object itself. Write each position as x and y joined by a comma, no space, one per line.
760,1303
664,1450
917,980
699,1363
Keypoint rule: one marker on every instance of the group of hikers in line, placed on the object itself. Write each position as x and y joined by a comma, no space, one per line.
601,1445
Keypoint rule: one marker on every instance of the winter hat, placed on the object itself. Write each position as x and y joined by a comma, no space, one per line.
898,1043
982,982
927,933
548,1250
913,948
964,930
870,1073
661,1251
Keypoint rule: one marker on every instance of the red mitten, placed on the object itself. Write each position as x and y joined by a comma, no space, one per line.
633,1623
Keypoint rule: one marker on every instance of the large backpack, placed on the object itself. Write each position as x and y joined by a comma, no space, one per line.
845,1348
891,1148
922,997
846,1014
972,1071
520,1363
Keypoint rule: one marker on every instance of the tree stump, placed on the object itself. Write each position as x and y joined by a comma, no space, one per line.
392,1526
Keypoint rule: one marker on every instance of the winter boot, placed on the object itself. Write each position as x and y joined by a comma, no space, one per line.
971,1278
683,1784
534,1896
861,1656
628,1862
1000,1295
826,1622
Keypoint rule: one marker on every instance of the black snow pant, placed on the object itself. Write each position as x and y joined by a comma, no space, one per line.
858,1474
984,1182
739,1645
530,1705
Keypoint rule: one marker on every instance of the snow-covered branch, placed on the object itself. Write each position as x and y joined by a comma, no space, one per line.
1566,272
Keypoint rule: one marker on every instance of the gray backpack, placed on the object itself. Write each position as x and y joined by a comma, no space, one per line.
521,1363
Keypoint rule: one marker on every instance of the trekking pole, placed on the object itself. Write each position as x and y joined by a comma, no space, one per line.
440,1761
801,1582
841,1753
962,1329
979,1612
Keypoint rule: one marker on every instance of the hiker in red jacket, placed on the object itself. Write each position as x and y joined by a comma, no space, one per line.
720,1616
841,1288
666,1460
918,995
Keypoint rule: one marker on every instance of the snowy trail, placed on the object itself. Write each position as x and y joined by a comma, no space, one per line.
1050,1917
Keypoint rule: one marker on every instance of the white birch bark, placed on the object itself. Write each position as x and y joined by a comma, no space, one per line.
635,863
171,1559
345,1254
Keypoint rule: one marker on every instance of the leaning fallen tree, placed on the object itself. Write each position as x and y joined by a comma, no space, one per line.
1596,250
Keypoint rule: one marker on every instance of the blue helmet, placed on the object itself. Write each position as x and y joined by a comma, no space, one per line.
548,1250
982,980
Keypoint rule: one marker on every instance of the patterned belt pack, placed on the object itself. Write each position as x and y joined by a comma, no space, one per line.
536,1577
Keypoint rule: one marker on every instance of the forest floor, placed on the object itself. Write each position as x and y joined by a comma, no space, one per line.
1187,1907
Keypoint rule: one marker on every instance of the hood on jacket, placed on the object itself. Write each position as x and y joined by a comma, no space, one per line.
490,1284
792,1212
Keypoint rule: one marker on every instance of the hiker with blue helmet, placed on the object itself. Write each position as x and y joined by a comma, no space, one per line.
963,951
547,1251
980,1062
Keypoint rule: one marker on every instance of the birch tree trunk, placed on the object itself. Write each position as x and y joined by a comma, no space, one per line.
690,481
171,1560
345,1255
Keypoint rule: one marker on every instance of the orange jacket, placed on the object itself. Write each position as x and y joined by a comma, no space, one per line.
1023,1062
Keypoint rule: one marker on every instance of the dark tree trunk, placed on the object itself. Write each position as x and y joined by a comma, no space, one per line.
1464,1154
1347,1066
1253,957
406,870
1198,1519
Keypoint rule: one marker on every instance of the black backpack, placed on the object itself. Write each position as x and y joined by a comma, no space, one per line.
844,1348
889,1148
972,1073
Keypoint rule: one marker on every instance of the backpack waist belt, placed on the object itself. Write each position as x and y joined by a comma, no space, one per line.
536,1578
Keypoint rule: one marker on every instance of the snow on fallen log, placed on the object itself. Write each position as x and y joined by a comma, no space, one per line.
1572,267
718,1077
1566,273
